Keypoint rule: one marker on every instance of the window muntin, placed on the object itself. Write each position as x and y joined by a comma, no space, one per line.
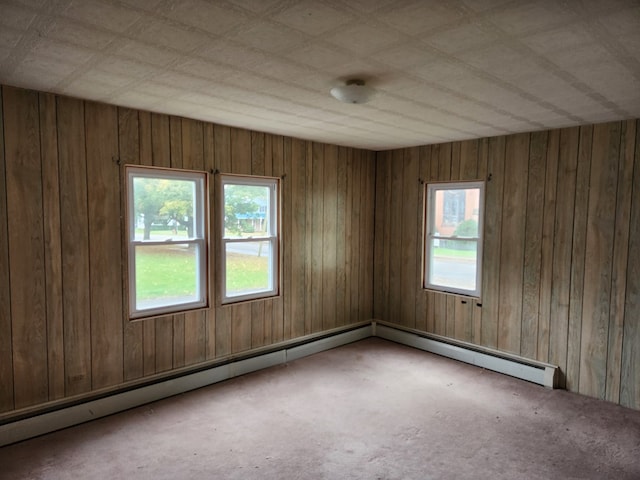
249,238
167,240
453,237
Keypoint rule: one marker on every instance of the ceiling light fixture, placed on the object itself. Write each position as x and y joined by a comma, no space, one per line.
354,91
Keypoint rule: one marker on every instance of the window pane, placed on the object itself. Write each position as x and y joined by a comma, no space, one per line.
164,208
166,275
246,210
456,212
248,268
453,263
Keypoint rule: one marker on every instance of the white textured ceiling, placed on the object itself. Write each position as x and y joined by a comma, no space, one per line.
443,70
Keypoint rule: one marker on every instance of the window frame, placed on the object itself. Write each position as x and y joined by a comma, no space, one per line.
273,236
200,239
430,189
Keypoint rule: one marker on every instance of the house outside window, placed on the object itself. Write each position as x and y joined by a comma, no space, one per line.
167,240
250,246
453,237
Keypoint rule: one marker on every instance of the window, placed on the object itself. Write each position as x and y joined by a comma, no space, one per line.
249,246
453,237
167,240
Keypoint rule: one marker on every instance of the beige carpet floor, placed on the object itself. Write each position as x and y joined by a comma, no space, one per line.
368,410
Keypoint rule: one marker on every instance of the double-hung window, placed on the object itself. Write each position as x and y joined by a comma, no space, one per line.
167,240
453,237
249,237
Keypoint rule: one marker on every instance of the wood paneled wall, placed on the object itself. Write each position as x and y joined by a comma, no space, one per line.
63,325
561,259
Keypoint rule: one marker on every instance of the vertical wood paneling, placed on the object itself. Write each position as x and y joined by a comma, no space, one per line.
557,255
341,241
546,257
533,244
82,335
298,237
52,245
329,233
422,296
222,147
210,166
492,245
26,246
431,173
513,230
620,260
354,221
101,127
315,226
630,377
561,271
578,257
381,236
75,246
410,188
278,170
310,303
367,232
6,351
132,143
287,237
559,277
395,240
599,251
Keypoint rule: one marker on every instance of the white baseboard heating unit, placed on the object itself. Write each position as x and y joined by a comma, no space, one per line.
62,415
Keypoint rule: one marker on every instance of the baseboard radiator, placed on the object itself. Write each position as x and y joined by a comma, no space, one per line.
513,365
73,414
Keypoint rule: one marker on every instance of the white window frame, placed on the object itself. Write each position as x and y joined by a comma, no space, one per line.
199,240
430,234
272,236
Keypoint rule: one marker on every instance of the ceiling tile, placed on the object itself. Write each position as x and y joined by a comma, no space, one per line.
527,17
558,39
441,70
319,56
312,18
205,69
421,16
269,37
71,31
484,5
207,16
146,53
15,16
175,37
62,51
9,37
100,14
232,53
257,6
362,39
464,38
406,55
503,62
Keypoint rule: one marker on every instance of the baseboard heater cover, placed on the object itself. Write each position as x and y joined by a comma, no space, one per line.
91,410
525,369
12,432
